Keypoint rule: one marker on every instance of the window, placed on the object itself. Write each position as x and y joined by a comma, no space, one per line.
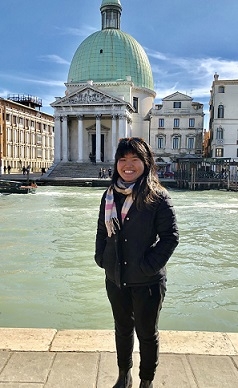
38,139
9,134
177,104
161,123
191,123
160,142
176,123
190,143
38,152
219,152
221,89
220,112
38,126
176,142
135,104
219,134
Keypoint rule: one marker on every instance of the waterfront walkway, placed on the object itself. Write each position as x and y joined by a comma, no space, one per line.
37,358
68,181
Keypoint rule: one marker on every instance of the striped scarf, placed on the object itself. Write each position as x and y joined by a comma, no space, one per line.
111,217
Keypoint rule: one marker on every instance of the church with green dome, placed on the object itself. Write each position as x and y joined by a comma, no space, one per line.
109,93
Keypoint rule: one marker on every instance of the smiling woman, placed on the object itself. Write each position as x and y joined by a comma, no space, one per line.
136,235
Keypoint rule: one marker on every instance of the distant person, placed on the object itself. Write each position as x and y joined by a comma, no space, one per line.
5,169
100,173
136,235
104,173
92,158
42,170
9,169
109,172
33,184
23,170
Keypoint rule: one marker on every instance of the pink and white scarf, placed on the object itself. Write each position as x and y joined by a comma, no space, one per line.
111,217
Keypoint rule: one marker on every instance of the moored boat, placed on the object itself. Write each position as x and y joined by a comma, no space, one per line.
16,187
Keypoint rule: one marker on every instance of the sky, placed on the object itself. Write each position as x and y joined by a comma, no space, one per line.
186,41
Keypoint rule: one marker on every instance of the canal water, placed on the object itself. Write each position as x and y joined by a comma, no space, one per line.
49,278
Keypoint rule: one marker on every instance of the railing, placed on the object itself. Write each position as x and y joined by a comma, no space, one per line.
201,176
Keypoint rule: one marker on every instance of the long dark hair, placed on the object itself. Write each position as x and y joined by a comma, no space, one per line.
147,188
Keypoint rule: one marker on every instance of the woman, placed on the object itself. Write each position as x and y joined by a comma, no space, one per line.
136,235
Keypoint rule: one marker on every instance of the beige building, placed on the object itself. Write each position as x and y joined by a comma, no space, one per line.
176,128
224,118
26,134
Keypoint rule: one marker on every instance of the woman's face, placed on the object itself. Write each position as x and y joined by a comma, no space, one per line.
130,167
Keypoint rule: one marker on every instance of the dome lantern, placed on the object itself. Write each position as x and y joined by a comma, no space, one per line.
111,55
111,14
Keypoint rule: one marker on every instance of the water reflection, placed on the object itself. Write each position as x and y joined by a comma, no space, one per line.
49,278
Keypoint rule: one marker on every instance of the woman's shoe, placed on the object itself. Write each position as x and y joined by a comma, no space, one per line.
124,379
146,384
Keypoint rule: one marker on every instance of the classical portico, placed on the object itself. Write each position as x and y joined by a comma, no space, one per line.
89,122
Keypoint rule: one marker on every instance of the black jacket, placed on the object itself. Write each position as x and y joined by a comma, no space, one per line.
138,252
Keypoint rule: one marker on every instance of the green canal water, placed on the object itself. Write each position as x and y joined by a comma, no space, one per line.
49,278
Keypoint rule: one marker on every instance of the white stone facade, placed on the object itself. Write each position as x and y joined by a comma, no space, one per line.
176,127
224,119
92,117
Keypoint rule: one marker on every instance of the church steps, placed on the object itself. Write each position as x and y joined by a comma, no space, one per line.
77,170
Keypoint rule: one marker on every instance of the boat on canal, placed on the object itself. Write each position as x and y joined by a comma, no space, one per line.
16,187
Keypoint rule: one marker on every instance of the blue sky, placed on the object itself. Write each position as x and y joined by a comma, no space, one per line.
187,41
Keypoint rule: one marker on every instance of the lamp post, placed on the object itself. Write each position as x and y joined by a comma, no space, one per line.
150,117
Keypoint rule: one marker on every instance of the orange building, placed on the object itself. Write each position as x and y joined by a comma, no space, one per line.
26,134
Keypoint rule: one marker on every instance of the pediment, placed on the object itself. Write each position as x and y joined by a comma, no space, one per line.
93,128
87,96
177,96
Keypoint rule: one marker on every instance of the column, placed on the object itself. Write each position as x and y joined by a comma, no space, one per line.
64,138
43,146
57,139
114,136
80,138
122,126
98,138
129,128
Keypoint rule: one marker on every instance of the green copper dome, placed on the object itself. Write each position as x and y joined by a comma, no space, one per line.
111,55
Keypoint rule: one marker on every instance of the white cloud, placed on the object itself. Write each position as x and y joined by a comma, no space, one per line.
84,31
196,66
4,93
44,82
188,75
54,58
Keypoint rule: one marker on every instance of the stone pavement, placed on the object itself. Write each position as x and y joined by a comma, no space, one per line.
37,358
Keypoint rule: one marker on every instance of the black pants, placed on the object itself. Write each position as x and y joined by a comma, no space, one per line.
137,308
